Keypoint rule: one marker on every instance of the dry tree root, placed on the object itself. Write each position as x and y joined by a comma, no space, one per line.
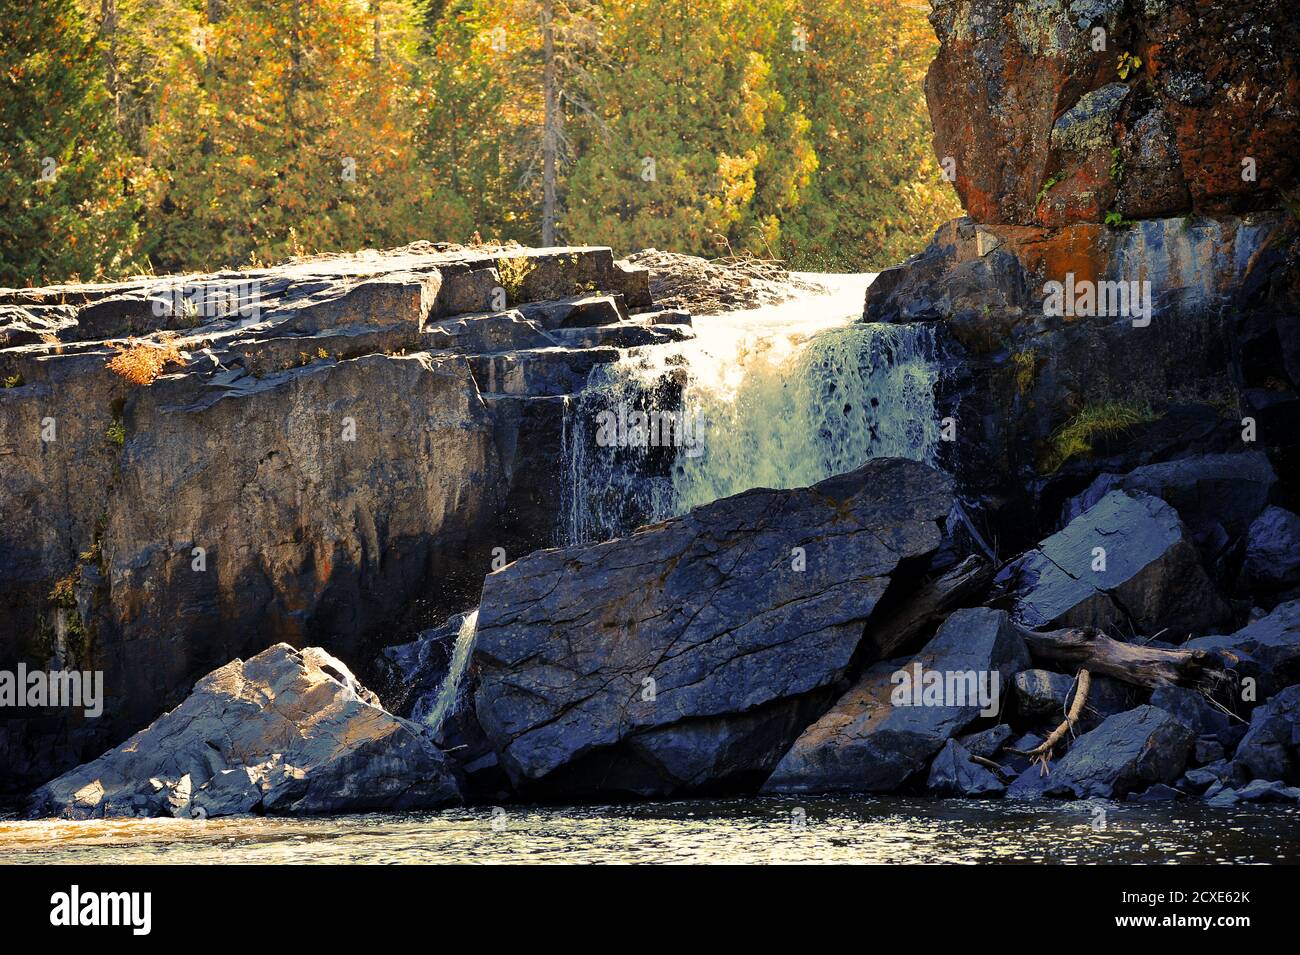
1042,753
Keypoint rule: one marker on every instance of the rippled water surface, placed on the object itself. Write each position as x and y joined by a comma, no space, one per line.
736,830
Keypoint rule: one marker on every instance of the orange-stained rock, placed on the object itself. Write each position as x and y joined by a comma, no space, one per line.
1069,110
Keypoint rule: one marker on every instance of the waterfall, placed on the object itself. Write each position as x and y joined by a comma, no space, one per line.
784,396
449,691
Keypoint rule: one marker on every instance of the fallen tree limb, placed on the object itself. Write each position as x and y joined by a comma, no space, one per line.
1042,753
1147,667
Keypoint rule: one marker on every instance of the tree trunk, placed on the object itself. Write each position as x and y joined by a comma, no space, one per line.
374,16
1136,665
108,31
551,124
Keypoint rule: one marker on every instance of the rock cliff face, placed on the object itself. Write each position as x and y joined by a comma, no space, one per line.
1060,111
1131,249
329,456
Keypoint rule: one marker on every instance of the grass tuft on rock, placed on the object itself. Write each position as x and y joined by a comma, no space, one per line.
1099,420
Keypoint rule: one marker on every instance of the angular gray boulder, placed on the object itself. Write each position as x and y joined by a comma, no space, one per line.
1149,575
1267,649
1272,552
1270,749
1207,491
885,729
953,774
287,732
639,664
1128,752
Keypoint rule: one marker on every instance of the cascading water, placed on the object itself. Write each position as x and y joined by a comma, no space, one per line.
781,396
449,692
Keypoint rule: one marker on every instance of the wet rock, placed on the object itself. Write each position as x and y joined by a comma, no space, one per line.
1260,790
1272,552
1267,649
286,732
1127,752
883,730
413,672
1029,784
953,774
1158,793
1271,747
988,742
1201,779
1124,562
1207,750
700,618
1042,694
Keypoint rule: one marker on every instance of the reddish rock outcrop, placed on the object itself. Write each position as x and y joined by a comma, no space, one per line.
1063,111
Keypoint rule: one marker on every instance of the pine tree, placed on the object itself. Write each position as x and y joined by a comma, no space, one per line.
68,185
693,126
856,71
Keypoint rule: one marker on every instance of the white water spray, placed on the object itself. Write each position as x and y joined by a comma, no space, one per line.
449,692
788,395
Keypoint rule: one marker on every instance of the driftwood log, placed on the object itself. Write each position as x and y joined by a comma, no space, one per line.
1136,665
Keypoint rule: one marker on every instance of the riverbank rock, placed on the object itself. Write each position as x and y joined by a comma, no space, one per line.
1125,562
953,774
694,650
1272,552
1218,496
1267,649
288,732
1129,751
1270,750
887,727
328,455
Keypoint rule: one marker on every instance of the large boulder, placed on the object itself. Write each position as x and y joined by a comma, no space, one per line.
1128,751
1267,649
1126,562
1272,552
1218,496
888,726
286,732
1271,747
639,663
1059,111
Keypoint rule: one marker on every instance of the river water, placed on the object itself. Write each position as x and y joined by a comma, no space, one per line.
742,830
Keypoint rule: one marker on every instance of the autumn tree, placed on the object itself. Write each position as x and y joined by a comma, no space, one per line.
856,71
693,122
68,185
284,130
